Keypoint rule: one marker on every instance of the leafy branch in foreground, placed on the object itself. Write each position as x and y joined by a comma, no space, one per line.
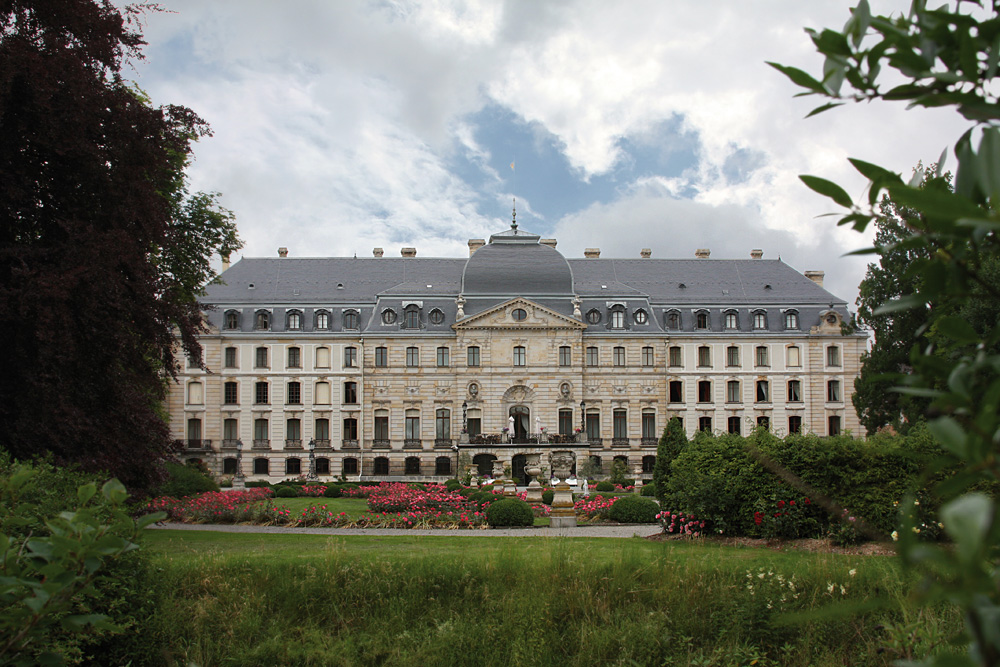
947,57
42,577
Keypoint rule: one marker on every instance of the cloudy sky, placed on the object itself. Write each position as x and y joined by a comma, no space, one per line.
343,126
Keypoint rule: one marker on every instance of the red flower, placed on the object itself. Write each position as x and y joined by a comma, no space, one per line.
758,518
781,503
806,501
792,503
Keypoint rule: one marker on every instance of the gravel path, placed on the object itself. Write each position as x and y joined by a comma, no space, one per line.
643,530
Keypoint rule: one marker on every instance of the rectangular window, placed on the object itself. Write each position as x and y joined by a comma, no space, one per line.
763,392
412,357
593,425
648,424
260,359
794,391
473,356
350,357
196,394
322,357
293,429
733,424
519,355
442,424
230,429
833,425
350,392
591,356
732,356
733,391
350,427
381,357
794,356
194,429
795,424
833,391
676,391
261,429
294,393
759,320
704,356
619,356
322,393
704,423
260,393
619,424
322,429
412,426
565,356
761,355
648,358
381,424
442,357
675,356
704,391
833,356
565,422
473,423
294,357
230,357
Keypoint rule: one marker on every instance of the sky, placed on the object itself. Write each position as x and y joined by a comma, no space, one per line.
344,126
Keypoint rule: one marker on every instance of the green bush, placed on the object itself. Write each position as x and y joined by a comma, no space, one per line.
186,480
510,512
634,509
260,483
547,496
226,483
333,491
282,491
452,484
648,490
484,498
605,486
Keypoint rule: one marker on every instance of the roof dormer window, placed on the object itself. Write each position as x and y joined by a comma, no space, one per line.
351,319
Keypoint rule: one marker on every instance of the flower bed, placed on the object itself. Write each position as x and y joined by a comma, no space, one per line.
214,506
678,523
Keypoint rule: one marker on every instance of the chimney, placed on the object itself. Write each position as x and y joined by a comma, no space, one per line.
408,252
282,252
756,253
816,276
549,242
225,262
702,253
592,253
378,252
645,253
475,244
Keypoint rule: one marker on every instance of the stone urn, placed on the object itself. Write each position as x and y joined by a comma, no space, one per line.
638,480
563,515
533,467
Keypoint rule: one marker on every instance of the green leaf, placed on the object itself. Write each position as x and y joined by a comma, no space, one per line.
800,78
967,520
950,434
827,189
821,109
958,329
86,492
875,173
934,203
114,491
987,163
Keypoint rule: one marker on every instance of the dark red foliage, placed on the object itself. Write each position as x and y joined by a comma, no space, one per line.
86,313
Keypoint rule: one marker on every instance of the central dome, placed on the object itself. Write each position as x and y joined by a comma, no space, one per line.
514,262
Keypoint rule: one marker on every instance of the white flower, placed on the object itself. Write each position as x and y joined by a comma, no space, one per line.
852,572
829,587
843,591
895,536
916,502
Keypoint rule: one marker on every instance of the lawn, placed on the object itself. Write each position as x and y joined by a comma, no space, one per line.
245,599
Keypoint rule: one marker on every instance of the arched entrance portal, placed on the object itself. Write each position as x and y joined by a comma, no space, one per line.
517,469
520,415
484,464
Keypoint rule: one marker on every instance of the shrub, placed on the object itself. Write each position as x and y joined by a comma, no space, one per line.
510,512
260,483
648,490
605,486
671,444
185,480
484,498
332,491
452,484
282,491
547,496
226,483
634,509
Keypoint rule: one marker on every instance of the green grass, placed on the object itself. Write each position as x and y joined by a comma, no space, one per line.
246,599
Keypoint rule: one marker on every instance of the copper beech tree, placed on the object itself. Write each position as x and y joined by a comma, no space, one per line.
103,250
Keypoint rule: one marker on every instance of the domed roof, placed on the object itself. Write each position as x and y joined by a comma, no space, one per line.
514,263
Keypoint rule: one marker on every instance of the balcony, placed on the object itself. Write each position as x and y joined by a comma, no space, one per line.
649,442
412,444
197,444
595,442
229,443
322,444
381,443
261,444
349,444
442,443
623,443
293,443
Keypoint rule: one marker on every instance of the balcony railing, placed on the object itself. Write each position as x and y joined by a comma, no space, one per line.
349,444
197,443
595,442
293,443
442,443
229,443
381,443
620,442
261,444
323,443
410,443
649,442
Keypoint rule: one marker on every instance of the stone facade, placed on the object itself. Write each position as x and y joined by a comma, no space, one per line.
396,370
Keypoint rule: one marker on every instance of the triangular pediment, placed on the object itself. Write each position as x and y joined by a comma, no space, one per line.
502,316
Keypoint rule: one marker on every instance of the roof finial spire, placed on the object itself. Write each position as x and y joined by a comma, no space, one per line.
513,216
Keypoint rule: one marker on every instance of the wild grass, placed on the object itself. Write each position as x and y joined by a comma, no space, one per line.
247,599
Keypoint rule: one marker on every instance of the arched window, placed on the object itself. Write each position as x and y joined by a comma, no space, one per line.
443,354
322,320
261,433
675,357
260,357
732,356
293,466
618,356
412,425
381,357
261,466
382,425
381,465
592,358
648,424
759,319
705,391
322,357
411,317
293,432
791,319
351,319
322,431
442,466
731,320
411,465
704,356
323,466
833,391
673,320
473,355
231,320
617,317
648,356
350,466
294,357
322,394
701,319
733,394
293,321
350,357
794,391
733,424
519,355
793,356
262,320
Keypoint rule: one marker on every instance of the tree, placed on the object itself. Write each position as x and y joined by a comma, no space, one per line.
940,58
103,251
672,443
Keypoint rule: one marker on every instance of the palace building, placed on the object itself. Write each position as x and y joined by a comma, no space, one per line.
400,368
